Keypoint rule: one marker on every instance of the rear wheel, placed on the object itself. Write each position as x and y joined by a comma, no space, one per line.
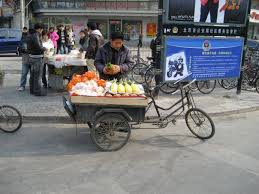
10,119
110,132
199,123
138,73
206,87
169,88
229,84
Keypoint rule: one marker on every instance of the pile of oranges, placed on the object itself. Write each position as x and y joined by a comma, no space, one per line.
88,76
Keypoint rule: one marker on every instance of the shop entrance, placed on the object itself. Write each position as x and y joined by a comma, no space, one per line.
115,26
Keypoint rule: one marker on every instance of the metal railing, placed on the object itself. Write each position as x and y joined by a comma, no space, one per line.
97,5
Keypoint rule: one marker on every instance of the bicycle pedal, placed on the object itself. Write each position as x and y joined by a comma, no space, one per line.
163,125
174,122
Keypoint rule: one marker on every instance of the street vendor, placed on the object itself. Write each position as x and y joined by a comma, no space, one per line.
113,59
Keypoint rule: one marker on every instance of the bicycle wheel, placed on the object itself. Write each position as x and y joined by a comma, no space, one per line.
257,84
199,123
206,87
10,119
110,132
150,76
194,86
138,73
169,88
228,84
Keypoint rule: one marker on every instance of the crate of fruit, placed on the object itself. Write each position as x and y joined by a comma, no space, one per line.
88,89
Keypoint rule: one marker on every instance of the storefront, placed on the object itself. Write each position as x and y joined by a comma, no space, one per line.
134,18
132,28
6,14
253,32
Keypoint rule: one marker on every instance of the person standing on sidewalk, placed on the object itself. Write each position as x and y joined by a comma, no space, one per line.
95,41
25,59
71,38
48,44
36,54
63,40
54,38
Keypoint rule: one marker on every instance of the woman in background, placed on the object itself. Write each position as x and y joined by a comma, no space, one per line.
54,38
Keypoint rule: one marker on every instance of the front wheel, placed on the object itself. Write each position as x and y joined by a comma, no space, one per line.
110,132
10,119
199,123
169,88
206,87
138,72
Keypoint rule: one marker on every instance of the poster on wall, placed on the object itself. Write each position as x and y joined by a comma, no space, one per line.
202,58
151,30
207,11
77,27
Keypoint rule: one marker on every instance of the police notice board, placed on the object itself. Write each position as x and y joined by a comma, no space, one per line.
202,58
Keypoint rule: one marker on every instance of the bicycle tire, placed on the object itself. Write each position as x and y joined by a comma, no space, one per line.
149,76
204,86
138,73
228,84
194,86
169,88
99,131
198,123
257,84
14,110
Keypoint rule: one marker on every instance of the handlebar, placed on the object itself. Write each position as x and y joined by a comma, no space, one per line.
189,83
182,78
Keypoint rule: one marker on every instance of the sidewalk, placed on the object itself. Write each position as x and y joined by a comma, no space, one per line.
50,108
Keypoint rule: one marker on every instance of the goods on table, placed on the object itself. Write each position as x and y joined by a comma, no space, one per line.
89,84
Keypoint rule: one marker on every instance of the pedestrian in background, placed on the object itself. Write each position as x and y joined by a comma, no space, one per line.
83,41
36,54
63,40
22,49
48,44
71,38
54,38
95,41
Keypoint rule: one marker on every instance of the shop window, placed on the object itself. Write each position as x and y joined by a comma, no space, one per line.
115,26
132,30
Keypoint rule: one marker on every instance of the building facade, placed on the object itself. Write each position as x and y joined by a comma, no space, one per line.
133,17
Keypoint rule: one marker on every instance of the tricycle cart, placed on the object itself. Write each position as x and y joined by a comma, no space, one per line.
111,118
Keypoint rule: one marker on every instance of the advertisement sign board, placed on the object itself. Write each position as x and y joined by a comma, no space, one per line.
202,58
211,12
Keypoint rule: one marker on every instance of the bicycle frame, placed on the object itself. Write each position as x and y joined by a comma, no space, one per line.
186,100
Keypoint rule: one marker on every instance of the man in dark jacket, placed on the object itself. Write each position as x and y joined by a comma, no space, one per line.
117,54
63,40
36,53
22,48
95,41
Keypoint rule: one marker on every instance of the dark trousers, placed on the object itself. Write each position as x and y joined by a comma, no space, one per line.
62,49
36,77
211,8
44,78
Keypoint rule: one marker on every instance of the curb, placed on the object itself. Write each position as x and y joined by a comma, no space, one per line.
68,120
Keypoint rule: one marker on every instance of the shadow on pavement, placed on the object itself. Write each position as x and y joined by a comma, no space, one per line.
170,141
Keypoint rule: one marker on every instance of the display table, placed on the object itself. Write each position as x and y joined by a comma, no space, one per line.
62,68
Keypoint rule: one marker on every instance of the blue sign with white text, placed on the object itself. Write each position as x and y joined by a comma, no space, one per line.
202,58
